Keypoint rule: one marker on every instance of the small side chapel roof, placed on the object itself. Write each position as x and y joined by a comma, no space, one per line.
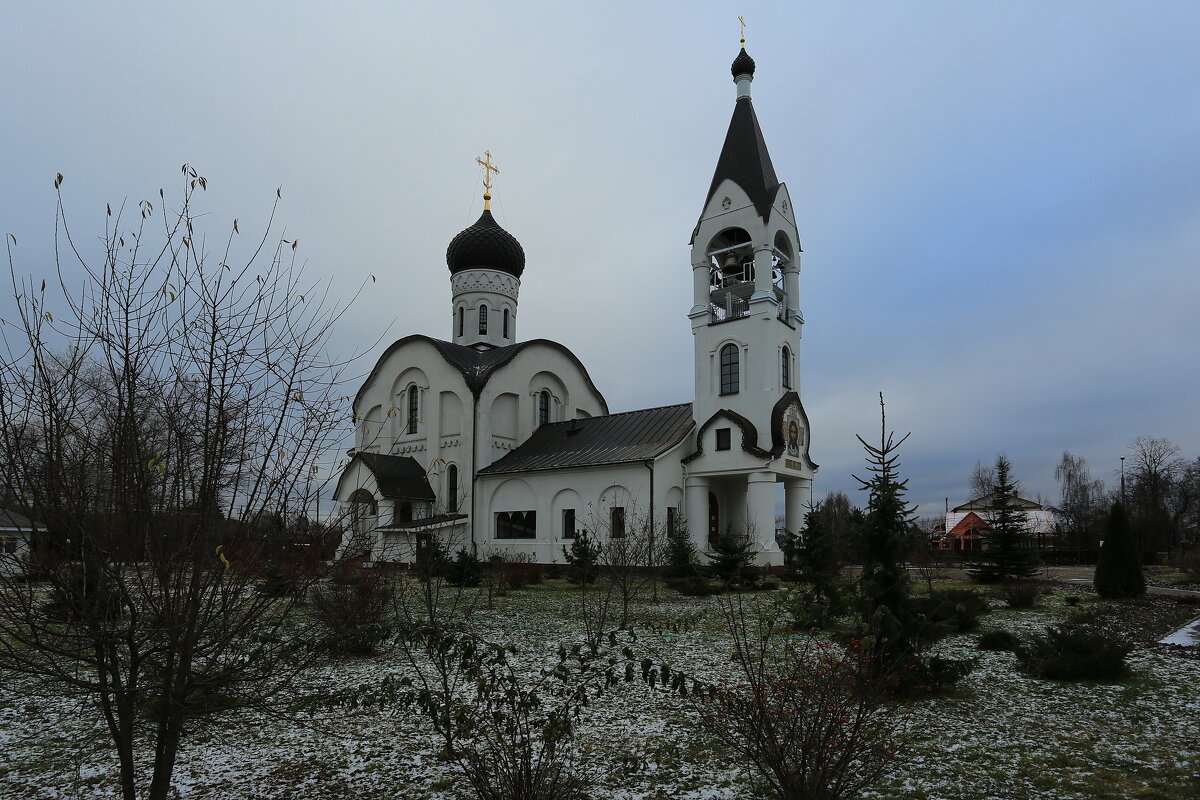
623,438
396,476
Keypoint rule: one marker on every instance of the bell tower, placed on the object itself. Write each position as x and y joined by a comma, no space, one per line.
745,317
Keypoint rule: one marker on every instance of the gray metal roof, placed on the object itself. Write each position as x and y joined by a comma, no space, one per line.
611,439
745,161
476,366
396,476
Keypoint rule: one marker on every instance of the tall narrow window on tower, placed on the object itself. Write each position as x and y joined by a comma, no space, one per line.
483,319
506,323
413,408
461,317
787,367
730,371
543,407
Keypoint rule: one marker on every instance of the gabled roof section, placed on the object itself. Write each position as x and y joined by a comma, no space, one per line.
398,477
476,366
12,521
749,435
612,439
988,503
970,525
745,160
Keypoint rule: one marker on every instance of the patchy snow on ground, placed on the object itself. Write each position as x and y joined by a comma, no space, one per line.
999,734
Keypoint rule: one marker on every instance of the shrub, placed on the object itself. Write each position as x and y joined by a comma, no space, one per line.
1081,648
430,559
952,610
1189,563
1071,600
998,640
583,559
353,614
769,585
810,607
732,559
519,571
692,586
1019,594
83,594
465,569
808,720
680,555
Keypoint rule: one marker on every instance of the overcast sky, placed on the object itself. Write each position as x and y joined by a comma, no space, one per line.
999,203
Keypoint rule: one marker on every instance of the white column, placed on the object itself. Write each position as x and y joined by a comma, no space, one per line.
796,501
791,286
762,271
697,511
760,512
700,281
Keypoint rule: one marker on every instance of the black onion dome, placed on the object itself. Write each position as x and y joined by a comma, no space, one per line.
743,64
485,245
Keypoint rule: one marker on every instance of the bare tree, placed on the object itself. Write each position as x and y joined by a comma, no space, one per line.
1081,500
627,556
808,719
983,480
166,421
1154,476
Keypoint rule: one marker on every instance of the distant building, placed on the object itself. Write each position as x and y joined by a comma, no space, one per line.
16,542
967,527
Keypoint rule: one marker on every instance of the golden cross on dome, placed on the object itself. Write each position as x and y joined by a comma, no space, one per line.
742,20
488,169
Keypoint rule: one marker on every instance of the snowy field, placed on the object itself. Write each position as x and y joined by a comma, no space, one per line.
998,735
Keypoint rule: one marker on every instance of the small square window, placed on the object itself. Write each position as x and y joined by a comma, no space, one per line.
723,438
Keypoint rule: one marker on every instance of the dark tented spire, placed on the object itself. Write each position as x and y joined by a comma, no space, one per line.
745,160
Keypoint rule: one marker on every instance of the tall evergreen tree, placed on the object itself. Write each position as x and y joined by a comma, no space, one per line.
1006,557
1119,568
886,526
815,552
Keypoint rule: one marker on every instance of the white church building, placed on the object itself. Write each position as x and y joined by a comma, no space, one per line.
498,444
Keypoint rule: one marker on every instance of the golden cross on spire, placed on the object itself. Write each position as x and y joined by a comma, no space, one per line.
488,169
742,20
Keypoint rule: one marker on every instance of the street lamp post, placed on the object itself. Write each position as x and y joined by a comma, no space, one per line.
1122,480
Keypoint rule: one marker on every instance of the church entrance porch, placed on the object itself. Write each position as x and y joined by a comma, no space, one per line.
740,504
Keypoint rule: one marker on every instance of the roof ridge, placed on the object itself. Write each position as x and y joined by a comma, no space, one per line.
619,413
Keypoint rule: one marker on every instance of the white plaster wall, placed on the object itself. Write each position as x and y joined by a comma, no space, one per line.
594,490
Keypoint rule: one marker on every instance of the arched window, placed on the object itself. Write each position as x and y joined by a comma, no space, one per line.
787,367
413,408
506,323
730,372
452,490
543,407
482,320
461,317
